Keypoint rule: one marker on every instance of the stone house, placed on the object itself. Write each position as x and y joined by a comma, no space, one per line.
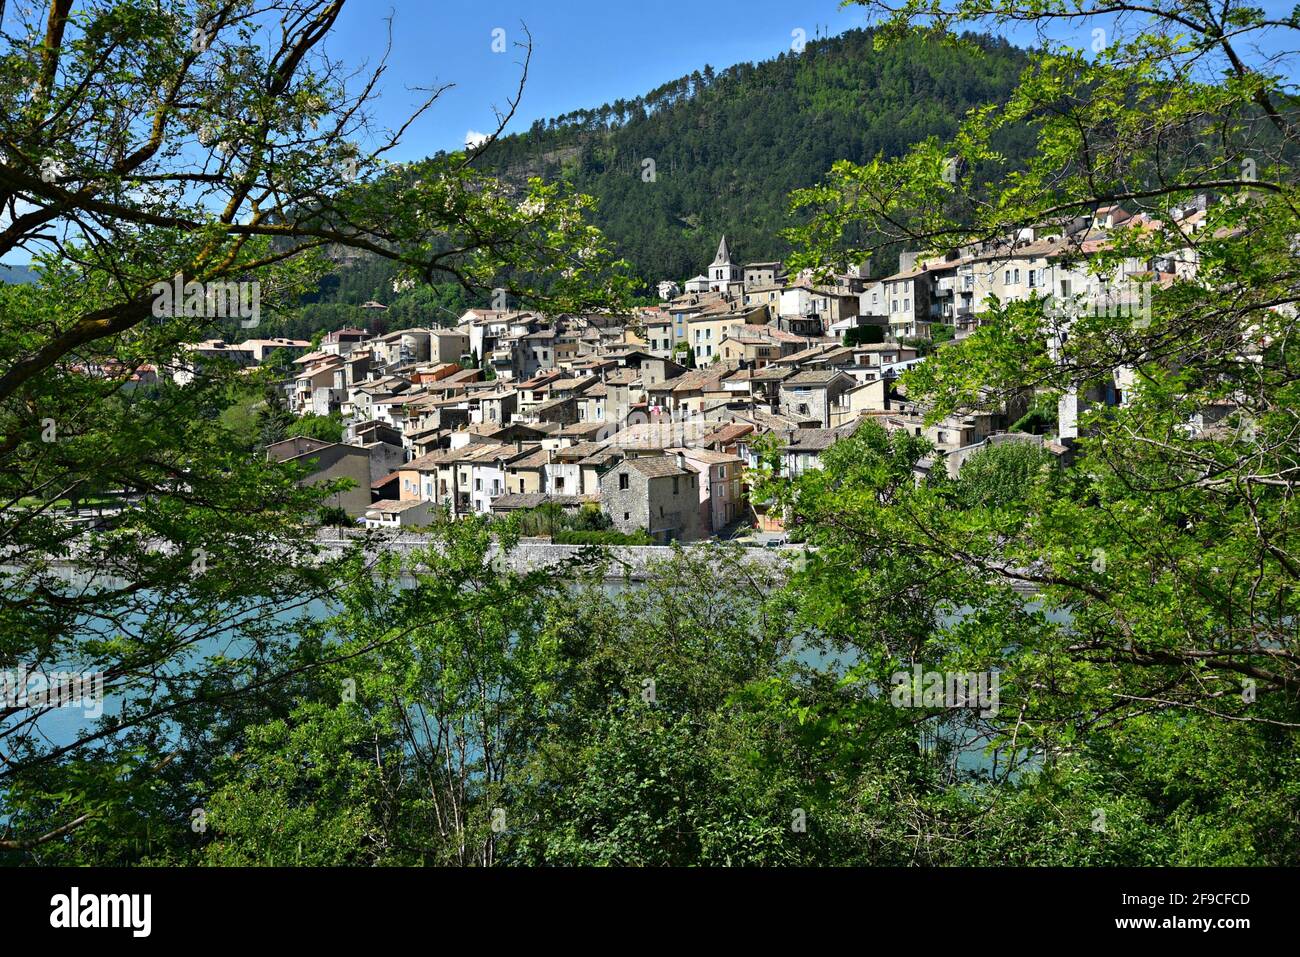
815,394
658,494
328,462
399,513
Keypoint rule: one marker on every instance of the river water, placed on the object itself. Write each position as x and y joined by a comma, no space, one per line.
61,726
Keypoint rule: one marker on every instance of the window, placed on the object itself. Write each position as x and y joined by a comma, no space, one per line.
627,516
722,471
1006,278
676,489
478,485
623,483
907,305
559,483
1033,278
1017,275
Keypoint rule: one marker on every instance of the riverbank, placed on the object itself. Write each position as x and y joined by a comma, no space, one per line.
625,562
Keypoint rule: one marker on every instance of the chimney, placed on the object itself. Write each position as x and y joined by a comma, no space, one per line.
519,445
681,461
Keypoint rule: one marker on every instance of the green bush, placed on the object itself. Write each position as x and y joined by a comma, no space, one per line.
1040,419
333,515
1000,475
327,428
589,518
941,332
552,519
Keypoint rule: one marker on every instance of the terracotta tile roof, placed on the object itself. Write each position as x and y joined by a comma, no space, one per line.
708,456
535,459
430,461
394,506
726,434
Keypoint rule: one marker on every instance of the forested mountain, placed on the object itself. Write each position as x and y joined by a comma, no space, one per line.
726,149
17,274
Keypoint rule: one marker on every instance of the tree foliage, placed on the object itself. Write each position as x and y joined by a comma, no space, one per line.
214,142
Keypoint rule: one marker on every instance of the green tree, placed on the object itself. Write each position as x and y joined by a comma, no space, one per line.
214,142
652,759
274,417
328,428
1161,641
1002,474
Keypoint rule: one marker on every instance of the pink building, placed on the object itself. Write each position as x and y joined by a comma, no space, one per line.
721,501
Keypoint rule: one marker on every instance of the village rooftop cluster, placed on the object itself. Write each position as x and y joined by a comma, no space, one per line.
652,416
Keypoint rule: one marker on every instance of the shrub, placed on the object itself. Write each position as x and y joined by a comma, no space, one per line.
1000,475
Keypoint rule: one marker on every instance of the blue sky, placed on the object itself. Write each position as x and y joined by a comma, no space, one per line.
585,52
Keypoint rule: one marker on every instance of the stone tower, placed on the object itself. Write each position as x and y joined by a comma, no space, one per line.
722,270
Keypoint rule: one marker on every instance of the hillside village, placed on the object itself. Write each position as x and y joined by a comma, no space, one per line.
652,417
